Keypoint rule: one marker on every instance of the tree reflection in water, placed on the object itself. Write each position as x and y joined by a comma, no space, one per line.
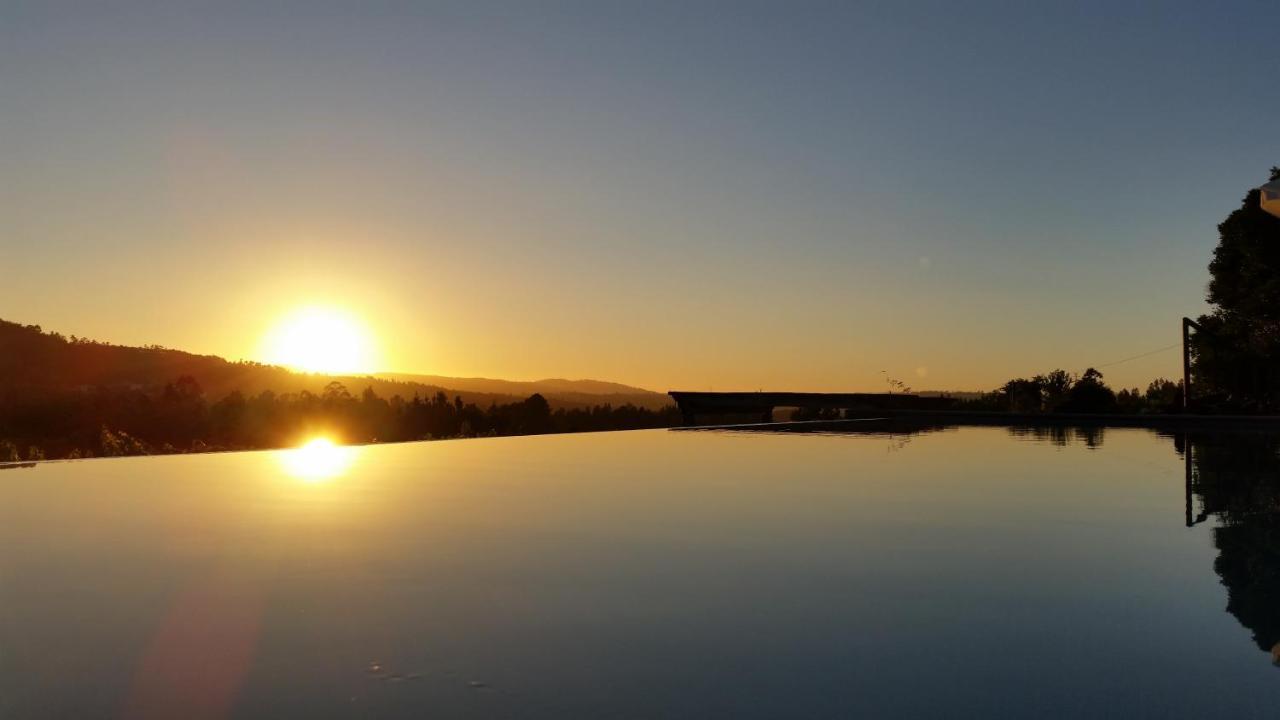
1236,479
1061,435
1232,477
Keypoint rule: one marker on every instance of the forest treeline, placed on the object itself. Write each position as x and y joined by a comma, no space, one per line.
1061,391
179,418
33,357
1057,391
1234,352
71,397
68,397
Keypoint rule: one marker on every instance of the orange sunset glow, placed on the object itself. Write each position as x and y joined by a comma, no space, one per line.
546,360
321,340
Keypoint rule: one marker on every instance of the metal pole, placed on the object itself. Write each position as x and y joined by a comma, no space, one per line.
1187,325
1186,459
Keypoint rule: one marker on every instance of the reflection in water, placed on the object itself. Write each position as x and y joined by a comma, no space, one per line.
901,429
16,465
898,431
1061,435
1237,480
897,427
745,575
320,459
1233,478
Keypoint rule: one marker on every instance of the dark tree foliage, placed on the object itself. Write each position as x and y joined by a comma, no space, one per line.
178,419
43,416
1060,391
1163,396
1236,355
1089,395
1057,386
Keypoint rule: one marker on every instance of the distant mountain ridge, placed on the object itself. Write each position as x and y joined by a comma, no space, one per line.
556,386
33,358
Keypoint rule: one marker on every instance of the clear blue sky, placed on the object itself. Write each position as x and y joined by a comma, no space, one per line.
789,195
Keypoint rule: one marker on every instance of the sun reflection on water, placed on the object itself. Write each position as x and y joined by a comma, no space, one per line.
317,460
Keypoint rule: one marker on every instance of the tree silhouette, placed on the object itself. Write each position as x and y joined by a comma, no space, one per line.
1236,355
1090,395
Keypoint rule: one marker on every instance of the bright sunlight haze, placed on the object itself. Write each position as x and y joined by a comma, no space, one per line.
321,340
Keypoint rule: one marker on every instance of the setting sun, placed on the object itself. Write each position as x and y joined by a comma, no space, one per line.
321,340
318,459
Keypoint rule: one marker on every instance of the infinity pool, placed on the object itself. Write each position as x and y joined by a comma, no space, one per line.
981,572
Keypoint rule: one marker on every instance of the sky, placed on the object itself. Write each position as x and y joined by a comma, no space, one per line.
694,195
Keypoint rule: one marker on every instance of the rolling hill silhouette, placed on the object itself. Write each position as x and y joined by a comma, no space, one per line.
584,392
32,358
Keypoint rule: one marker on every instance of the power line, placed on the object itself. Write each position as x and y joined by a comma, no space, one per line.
1142,355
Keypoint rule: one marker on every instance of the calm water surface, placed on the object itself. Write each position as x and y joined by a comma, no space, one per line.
960,572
